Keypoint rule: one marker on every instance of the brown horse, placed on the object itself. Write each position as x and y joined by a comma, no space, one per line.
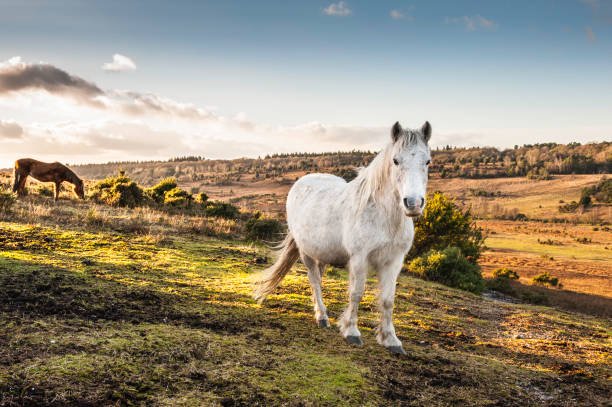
46,172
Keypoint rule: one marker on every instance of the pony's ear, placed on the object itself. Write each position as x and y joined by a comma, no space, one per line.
396,132
426,131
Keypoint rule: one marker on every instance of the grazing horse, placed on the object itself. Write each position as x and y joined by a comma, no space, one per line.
46,172
364,224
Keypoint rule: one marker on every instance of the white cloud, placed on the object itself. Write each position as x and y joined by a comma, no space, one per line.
473,23
120,63
10,130
590,35
397,15
337,9
401,15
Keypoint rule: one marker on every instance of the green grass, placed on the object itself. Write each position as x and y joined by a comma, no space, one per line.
529,244
104,318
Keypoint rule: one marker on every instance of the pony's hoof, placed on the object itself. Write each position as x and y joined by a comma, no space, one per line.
396,349
355,340
323,323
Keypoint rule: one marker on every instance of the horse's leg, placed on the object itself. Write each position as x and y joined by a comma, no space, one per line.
16,181
21,186
358,270
58,186
315,272
387,277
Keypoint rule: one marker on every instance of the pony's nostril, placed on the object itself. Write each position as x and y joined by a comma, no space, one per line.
406,203
422,202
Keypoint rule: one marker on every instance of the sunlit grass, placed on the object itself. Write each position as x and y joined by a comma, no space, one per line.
108,318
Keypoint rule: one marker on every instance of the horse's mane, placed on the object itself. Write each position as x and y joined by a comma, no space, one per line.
373,179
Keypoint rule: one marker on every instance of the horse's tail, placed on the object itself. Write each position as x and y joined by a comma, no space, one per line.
16,176
274,274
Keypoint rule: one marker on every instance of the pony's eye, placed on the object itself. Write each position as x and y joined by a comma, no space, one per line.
428,162
395,161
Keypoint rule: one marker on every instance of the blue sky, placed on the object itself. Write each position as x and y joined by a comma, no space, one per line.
311,74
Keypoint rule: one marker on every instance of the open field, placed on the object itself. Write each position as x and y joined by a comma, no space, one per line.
97,317
583,267
108,306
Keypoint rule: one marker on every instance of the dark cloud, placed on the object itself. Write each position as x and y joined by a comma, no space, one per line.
16,76
10,130
20,76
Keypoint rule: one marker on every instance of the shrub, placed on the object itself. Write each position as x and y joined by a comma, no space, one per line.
7,200
535,297
258,227
158,192
94,219
545,279
501,281
569,207
118,191
539,174
449,267
221,210
505,273
585,197
602,192
444,224
502,285
177,197
44,190
201,198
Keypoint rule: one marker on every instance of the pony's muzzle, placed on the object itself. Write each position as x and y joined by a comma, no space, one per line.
414,206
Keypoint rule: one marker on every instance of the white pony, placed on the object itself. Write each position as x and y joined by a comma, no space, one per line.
364,224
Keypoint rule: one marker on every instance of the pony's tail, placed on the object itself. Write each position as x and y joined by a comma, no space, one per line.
16,182
274,274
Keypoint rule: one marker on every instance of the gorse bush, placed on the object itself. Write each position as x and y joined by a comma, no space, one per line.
502,281
444,224
258,227
505,273
450,268
545,279
118,191
177,197
158,192
201,198
221,210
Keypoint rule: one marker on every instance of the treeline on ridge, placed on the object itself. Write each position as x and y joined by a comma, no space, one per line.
536,161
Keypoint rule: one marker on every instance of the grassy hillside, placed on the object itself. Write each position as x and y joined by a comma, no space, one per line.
141,309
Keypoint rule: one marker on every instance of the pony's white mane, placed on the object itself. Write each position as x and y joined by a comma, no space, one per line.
373,179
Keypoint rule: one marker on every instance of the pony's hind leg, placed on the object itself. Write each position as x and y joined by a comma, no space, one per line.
58,188
21,185
387,277
315,273
358,269
16,181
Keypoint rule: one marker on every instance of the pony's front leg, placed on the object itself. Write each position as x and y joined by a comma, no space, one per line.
387,277
358,270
